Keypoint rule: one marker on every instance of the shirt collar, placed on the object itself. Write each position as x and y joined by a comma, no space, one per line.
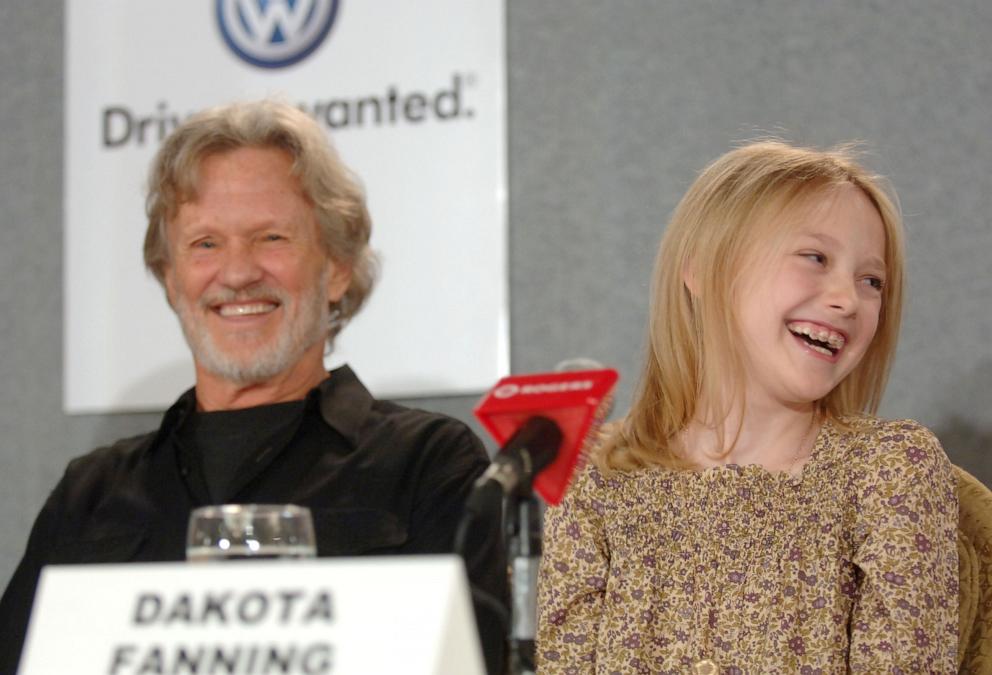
345,403
177,413
342,399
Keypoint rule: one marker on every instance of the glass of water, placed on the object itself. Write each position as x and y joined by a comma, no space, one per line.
250,531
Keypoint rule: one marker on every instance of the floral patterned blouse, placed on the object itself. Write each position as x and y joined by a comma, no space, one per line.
850,567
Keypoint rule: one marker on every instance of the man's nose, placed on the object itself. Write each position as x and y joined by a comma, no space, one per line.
239,267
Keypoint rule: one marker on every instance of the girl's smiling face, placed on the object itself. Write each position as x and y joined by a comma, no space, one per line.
808,313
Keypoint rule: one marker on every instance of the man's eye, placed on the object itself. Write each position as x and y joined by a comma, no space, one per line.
204,244
274,237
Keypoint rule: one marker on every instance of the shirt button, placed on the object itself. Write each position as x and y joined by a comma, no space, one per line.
705,667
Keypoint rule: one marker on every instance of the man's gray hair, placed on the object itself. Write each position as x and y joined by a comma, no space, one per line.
338,199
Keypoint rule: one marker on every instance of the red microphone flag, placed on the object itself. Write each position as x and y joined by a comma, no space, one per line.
571,399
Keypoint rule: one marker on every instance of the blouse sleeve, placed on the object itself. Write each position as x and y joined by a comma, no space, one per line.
905,616
572,579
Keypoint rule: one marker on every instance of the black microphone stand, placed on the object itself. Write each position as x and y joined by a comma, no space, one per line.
523,544
531,448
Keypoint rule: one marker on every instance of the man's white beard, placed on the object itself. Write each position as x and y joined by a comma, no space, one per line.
305,323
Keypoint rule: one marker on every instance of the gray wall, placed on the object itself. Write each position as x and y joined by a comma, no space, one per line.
613,106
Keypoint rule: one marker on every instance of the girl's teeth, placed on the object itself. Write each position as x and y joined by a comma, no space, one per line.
822,350
835,340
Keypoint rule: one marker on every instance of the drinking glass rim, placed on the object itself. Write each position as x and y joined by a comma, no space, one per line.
220,510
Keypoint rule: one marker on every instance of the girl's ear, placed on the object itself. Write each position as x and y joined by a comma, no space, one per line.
689,279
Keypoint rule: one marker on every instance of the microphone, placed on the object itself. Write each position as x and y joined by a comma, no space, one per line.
521,411
541,422
531,448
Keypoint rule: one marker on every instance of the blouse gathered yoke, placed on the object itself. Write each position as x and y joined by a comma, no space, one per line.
849,567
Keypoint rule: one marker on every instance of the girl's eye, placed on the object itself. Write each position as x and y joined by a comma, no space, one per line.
875,283
815,256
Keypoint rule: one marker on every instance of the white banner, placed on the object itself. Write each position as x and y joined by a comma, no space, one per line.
347,616
413,96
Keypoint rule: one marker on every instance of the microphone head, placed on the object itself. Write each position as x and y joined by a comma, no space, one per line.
572,400
536,443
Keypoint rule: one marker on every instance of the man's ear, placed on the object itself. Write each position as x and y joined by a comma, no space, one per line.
168,279
337,281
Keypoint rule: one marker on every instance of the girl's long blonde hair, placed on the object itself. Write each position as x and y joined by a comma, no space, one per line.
731,214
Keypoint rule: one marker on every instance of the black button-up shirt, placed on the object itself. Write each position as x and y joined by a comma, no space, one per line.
378,478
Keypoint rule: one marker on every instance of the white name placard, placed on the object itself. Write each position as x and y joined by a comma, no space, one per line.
319,617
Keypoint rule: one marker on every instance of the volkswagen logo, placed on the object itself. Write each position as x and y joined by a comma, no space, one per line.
275,33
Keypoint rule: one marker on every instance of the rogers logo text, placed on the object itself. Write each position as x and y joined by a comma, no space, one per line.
275,33
509,389
506,391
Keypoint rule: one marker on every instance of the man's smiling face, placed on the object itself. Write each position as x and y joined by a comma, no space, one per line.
247,273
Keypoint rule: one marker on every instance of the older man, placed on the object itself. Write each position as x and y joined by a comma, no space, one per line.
259,237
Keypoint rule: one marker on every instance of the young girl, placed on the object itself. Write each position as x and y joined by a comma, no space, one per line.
749,515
